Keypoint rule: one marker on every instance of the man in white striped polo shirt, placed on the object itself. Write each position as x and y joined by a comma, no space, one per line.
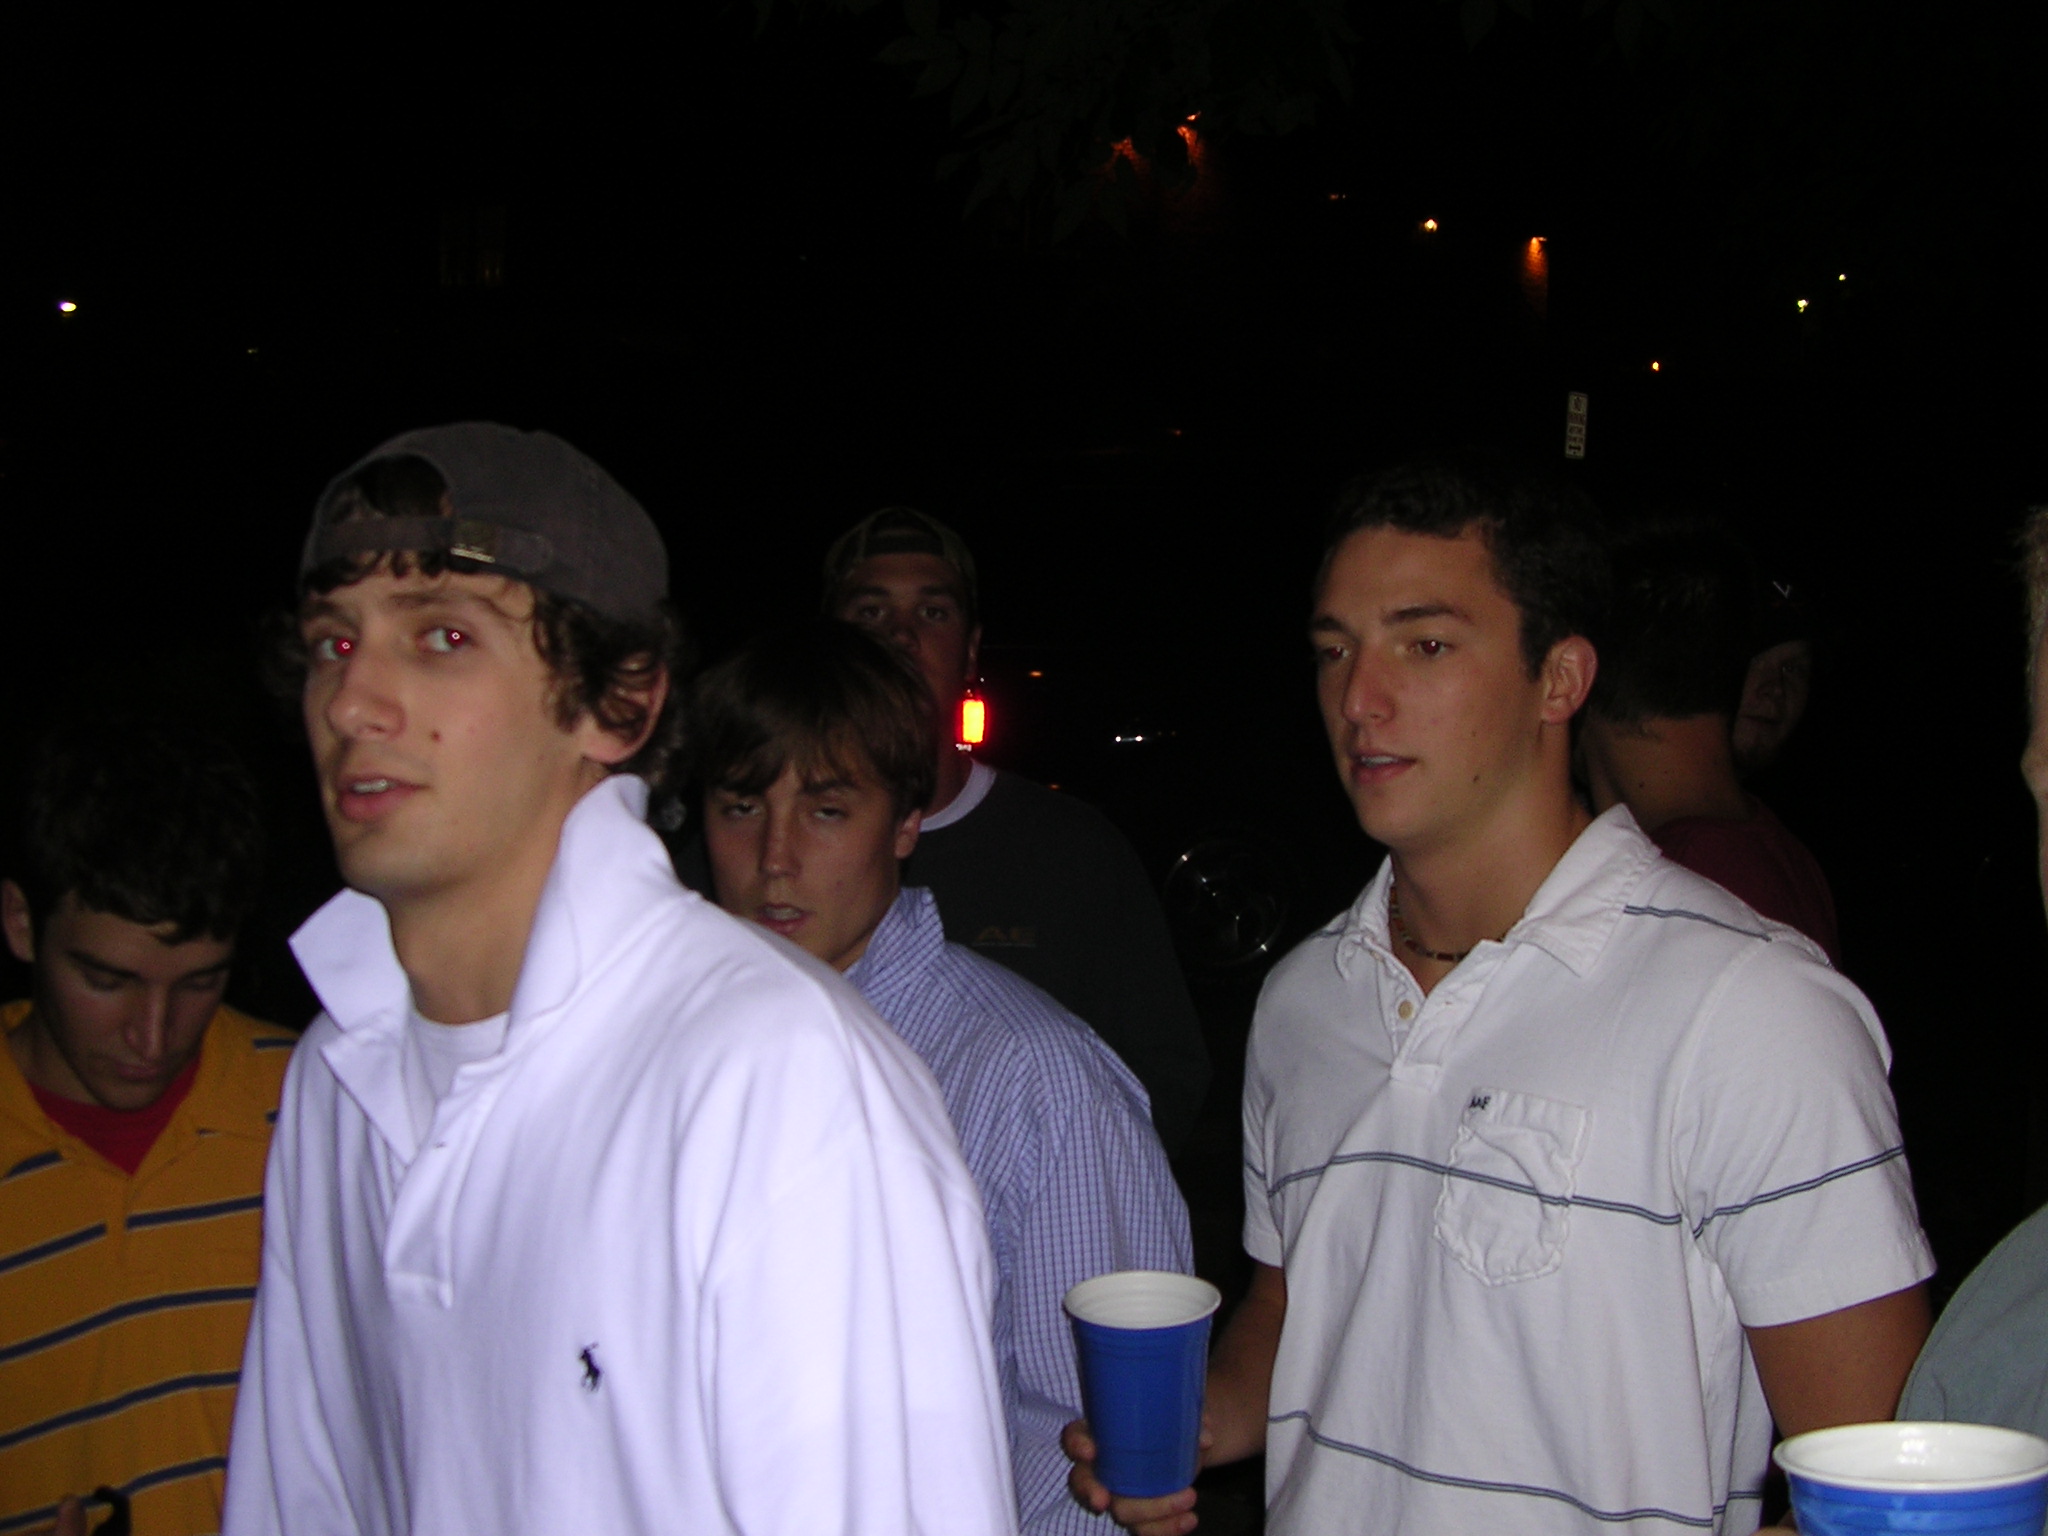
1566,1172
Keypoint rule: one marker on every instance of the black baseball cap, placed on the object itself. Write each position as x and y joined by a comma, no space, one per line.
899,531
521,504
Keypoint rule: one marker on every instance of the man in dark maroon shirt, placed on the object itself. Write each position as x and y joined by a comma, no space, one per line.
1656,733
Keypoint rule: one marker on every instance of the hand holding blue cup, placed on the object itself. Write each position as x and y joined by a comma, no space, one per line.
1954,1478
1142,1337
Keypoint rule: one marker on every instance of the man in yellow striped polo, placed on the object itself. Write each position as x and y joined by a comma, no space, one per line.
135,1115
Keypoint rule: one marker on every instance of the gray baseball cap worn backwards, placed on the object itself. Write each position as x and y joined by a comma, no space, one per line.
520,504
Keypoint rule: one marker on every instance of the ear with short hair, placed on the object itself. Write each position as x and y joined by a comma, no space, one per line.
18,922
608,747
1568,673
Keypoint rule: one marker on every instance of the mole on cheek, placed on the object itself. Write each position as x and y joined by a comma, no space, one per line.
435,736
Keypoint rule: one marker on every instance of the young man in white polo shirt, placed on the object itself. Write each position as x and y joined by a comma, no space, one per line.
1565,1171
589,1208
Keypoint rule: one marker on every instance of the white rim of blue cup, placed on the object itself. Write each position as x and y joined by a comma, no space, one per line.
1142,1298
1834,1456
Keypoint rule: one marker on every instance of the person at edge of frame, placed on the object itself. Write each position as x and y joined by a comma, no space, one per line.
1986,1361
135,1113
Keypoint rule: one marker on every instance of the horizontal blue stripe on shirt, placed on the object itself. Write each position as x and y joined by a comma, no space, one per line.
32,1162
1588,1202
177,1213
1874,1161
53,1247
198,1382
1698,917
139,1307
1528,1490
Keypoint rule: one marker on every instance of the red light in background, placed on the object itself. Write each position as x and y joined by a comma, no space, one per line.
973,720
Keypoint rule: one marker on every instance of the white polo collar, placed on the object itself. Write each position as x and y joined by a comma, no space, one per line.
605,856
609,872
1571,917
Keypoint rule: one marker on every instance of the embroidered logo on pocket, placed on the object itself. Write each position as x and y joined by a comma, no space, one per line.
1504,1211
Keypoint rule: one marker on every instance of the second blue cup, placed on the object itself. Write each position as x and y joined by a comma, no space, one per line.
1960,1479
1142,1336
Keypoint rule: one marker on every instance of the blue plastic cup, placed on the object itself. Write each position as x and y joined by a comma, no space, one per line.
1142,1336
1953,1478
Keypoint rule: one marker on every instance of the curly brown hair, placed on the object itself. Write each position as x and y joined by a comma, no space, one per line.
601,666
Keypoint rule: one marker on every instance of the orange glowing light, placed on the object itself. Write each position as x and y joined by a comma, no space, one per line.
1429,226
1656,367
1036,673
1536,276
973,720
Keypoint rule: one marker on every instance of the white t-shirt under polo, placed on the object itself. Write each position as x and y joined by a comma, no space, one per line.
1524,1220
434,1053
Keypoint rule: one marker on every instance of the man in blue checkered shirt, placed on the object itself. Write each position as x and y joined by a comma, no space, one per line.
814,749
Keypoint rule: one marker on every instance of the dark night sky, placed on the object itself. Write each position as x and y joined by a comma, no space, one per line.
728,272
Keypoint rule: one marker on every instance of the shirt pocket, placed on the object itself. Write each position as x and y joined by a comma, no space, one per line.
1505,1208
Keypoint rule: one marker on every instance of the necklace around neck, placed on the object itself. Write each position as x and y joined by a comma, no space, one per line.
1447,956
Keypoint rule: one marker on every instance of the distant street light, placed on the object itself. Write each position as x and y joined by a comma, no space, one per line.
1802,306
1655,366
1429,226
66,307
